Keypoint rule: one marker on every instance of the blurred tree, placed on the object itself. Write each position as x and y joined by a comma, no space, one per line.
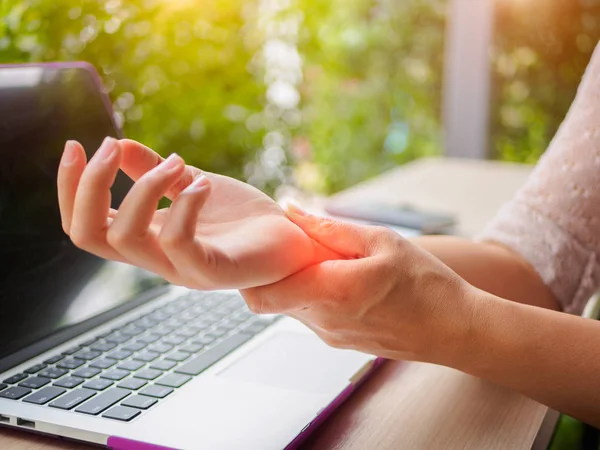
541,50
191,76
372,87
177,72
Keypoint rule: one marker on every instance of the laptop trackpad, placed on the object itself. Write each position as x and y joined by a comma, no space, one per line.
300,362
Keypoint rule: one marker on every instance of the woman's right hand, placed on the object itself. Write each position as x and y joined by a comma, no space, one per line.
218,233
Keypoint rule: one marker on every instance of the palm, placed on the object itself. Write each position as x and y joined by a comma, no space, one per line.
251,240
247,238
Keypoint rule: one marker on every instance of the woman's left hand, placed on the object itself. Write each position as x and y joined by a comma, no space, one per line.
387,297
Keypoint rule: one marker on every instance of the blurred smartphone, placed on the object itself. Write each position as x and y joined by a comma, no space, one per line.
424,222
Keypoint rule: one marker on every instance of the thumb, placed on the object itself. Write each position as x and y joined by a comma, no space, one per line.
345,238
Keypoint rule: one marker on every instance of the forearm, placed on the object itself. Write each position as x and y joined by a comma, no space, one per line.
492,268
549,356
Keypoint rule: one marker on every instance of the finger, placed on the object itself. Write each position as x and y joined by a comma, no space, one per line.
190,257
72,165
315,285
344,238
92,201
139,159
130,232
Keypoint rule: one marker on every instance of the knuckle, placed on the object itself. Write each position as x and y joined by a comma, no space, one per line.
118,237
383,237
170,238
66,228
255,304
333,340
81,238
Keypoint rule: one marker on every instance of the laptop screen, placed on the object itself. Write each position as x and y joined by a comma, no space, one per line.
46,283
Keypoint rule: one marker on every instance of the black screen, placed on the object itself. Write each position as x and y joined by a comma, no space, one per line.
46,283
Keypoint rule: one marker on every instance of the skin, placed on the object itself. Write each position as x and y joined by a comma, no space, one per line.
238,227
358,287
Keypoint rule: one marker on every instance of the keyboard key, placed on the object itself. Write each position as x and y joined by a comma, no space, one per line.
202,323
149,338
139,402
159,315
69,382
117,338
35,369
173,323
156,391
3,386
115,374
104,363
242,317
163,364
134,346
229,325
71,363
178,356
148,374
86,372
119,354
72,399
146,356
71,350
54,359
43,396
15,378
187,332
145,323
103,401
15,393
218,332
131,365
103,346
89,342
122,413
132,383
34,382
173,380
103,335
98,384
204,340
132,330
52,372
191,348
163,330
87,354
160,347
211,356
174,340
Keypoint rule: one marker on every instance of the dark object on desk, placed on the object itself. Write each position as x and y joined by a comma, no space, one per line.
401,216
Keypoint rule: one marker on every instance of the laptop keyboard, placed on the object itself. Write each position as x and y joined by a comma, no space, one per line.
129,370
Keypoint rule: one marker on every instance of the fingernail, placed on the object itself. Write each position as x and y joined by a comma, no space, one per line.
106,150
200,183
69,155
172,162
292,208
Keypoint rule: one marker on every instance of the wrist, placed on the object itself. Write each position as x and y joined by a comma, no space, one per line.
489,333
458,325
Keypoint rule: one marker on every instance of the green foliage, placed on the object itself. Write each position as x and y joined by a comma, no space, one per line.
372,88
541,50
187,76
177,73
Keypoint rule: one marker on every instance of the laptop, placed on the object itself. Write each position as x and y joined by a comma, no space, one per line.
105,353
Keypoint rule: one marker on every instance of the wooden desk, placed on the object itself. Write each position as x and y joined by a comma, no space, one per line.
409,405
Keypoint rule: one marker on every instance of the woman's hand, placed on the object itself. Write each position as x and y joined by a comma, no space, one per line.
388,298
218,232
